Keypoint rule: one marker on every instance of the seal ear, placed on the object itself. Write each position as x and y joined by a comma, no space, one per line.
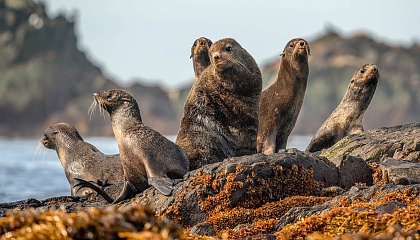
308,49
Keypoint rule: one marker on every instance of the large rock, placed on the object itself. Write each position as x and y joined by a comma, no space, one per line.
353,170
399,172
377,145
242,181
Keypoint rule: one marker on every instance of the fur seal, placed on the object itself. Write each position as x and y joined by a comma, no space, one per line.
281,102
80,159
347,118
200,55
147,157
221,112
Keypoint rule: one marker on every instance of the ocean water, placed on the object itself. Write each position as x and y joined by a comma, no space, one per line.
28,170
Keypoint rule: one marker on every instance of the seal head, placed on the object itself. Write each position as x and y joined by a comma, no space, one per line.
200,55
347,118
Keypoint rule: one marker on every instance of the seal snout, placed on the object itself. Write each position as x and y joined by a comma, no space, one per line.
44,141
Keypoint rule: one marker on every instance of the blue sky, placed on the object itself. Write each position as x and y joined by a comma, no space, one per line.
151,40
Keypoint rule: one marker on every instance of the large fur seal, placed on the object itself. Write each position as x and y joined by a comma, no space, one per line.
80,159
147,157
281,102
200,55
347,118
221,112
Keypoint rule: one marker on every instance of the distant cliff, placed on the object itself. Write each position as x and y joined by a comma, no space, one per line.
45,78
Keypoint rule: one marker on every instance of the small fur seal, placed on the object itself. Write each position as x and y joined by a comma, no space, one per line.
200,55
221,112
281,102
347,118
147,157
81,159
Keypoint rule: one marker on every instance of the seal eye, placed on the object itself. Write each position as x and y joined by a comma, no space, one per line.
109,96
55,132
363,70
229,48
292,45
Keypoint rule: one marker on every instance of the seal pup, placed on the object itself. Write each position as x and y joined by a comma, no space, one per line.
281,102
347,118
221,112
200,55
80,159
147,157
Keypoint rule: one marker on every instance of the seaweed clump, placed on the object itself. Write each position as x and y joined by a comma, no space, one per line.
133,222
363,219
260,220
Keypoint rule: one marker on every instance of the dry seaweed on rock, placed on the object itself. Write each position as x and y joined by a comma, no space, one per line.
366,218
259,220
132,222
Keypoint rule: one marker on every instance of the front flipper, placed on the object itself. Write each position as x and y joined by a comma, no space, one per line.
163,184
129,191
83,183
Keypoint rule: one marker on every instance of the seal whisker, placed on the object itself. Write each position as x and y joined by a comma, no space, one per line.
91,111
235,61
37,149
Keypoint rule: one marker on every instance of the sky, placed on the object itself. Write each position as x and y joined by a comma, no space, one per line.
151,41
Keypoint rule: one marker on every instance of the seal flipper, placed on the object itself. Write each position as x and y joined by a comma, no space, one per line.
163,184
83,183
129,191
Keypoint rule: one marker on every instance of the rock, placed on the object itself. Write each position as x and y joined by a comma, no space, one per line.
203,230
373,194
400,171
377,145
353,170
389,207
249,180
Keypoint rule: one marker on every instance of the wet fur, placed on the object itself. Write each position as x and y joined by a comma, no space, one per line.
221,112
281,102
347,118
80,159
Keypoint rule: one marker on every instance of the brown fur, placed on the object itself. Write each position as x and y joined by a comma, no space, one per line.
221,112
281,102
80,159
200,55
347,118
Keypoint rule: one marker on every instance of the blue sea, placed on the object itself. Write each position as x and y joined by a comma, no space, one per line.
28,170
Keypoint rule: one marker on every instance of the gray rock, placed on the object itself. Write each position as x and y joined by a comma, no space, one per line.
400,171
203,230
389,207
377,145
353,170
